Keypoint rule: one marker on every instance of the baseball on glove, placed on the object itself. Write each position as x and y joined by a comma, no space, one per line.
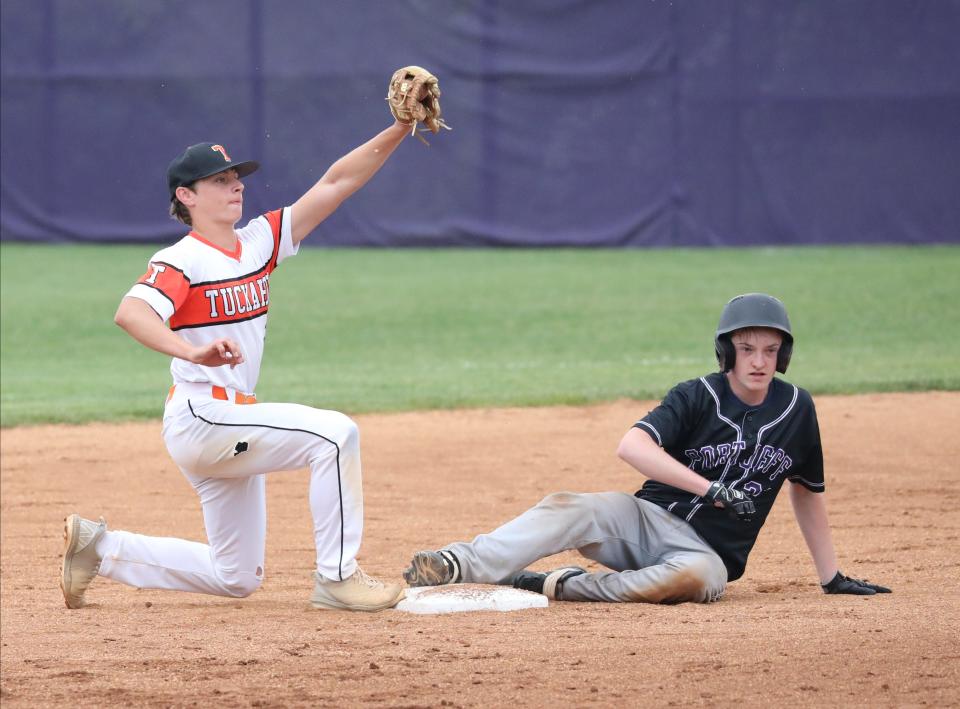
414,97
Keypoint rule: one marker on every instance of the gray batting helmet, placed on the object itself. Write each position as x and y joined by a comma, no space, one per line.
752,310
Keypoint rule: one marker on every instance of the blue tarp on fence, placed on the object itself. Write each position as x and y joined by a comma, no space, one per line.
576,122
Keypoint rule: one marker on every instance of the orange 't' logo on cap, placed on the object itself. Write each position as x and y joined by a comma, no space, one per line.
222,150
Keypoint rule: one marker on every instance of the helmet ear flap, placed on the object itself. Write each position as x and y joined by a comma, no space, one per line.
727,353
783,355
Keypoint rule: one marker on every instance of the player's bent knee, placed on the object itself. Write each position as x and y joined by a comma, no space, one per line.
241,586
710,580
585,508
698,581
351,432
562,500
336,427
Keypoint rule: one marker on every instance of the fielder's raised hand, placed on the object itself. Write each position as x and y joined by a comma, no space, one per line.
735,502
856,587
413,96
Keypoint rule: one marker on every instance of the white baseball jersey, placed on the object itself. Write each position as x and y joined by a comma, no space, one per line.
208,293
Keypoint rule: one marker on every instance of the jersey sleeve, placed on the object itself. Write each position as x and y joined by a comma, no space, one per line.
671,420
810,472
280,223
164,287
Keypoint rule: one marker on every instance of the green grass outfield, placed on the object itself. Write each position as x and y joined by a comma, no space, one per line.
385,330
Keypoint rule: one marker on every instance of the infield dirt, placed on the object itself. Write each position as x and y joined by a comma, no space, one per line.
431,478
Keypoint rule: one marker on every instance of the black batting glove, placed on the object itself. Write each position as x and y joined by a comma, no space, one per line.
735,502
856,587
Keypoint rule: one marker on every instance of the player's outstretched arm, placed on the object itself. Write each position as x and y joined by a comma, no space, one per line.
345,176
144,325
810,509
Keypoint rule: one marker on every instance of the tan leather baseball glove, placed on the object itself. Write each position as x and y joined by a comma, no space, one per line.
414,97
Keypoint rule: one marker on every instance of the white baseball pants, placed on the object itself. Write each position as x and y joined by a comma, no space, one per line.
224,450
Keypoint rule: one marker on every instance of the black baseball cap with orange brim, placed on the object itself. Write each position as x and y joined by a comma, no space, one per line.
202,160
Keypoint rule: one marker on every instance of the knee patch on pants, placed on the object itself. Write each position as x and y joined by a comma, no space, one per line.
565,500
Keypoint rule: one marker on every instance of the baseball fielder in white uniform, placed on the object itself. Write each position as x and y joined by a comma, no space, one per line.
204,302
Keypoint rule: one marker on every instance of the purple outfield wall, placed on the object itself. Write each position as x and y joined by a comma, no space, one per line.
583,123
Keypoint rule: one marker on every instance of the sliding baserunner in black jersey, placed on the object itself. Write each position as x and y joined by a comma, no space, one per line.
716,451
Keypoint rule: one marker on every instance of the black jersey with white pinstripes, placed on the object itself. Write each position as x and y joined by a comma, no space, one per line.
702,424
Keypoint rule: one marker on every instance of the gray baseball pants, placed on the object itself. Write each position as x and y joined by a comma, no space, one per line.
655,556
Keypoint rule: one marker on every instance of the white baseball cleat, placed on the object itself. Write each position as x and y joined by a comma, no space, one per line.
81,563
358,592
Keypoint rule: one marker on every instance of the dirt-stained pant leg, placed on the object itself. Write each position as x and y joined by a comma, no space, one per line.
656,557
666,562
560,521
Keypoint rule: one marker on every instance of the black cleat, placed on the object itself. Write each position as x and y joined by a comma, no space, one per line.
550,584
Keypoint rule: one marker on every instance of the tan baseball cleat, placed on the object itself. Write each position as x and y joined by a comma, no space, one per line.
81,564
358,592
